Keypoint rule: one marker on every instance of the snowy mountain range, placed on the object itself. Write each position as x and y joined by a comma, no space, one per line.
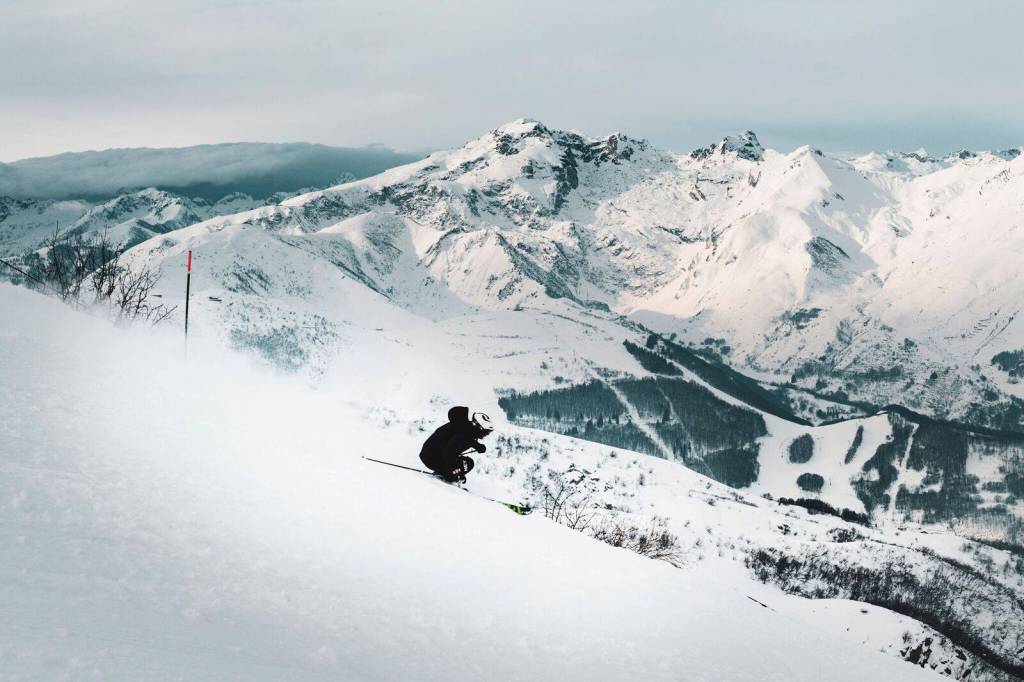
834,341
880,279
129,219
590,259
133,194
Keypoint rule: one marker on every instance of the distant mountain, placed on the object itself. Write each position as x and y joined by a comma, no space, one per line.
126,219
209,172
134,194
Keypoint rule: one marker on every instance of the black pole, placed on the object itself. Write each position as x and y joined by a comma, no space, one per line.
399,466
188,287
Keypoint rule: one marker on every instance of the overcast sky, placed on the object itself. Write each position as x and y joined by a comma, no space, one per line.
842,75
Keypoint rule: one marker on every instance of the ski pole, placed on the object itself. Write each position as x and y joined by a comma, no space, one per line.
399,466
188,287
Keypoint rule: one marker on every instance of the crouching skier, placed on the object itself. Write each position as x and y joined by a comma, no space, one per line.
444,451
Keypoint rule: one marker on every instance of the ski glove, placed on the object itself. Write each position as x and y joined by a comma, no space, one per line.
480,447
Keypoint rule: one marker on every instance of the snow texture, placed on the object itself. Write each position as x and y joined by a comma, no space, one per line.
166,519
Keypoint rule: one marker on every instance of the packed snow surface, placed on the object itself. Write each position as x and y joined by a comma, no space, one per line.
200,518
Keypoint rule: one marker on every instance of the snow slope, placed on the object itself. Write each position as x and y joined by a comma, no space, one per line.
209,520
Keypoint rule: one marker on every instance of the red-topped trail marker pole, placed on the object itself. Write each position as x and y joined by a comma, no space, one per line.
188,287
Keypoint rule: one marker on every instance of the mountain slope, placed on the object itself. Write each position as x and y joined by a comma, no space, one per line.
895,465
838,275
127,219
483,251
232,530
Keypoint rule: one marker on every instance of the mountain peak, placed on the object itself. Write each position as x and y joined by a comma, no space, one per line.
745,145
511,139
506,137
521,127
521,124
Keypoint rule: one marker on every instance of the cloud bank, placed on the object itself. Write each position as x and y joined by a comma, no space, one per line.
206,171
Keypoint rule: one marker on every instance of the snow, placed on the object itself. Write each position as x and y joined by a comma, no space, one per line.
223,509
127,219
778,475
879,629
717,246
166,518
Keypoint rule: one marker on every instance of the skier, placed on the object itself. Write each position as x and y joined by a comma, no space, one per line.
444,451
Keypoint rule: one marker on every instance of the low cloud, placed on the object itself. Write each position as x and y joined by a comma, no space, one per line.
207,171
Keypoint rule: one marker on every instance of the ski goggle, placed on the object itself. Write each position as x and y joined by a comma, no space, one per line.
482,421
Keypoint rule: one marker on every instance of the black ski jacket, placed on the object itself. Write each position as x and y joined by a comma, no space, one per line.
442,449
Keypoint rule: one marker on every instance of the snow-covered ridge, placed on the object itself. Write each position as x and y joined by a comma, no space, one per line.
127,219
781,265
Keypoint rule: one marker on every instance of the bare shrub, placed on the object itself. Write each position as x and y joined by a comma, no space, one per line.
104,276
566,499
75,267
59,264
652,540
131,297
844,535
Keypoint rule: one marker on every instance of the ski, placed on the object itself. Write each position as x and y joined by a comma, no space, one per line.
521,509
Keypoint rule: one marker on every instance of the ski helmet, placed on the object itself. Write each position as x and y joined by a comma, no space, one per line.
483,422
